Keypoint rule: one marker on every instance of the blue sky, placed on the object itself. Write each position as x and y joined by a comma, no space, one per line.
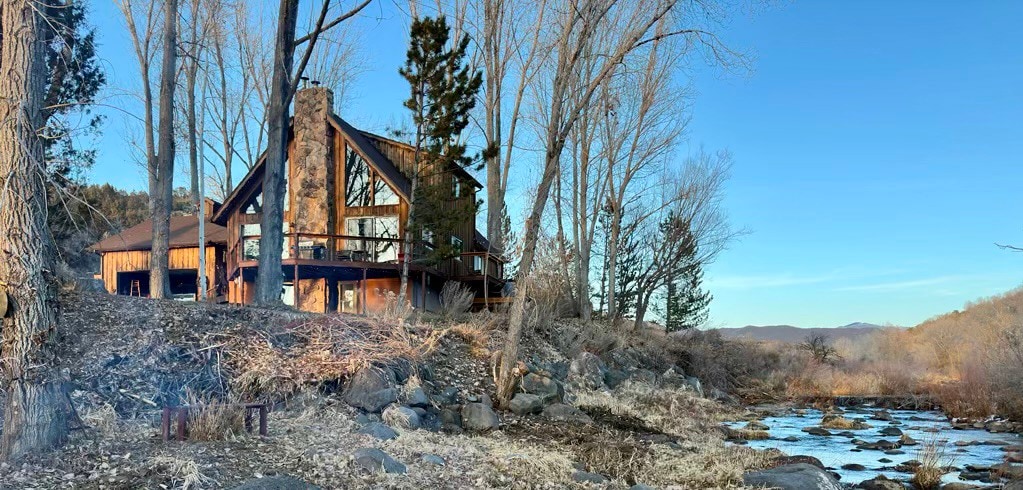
878,152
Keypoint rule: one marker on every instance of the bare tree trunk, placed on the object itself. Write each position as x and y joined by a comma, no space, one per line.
35,411
270,281
161,188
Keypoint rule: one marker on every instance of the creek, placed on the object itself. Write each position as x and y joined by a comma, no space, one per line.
969,452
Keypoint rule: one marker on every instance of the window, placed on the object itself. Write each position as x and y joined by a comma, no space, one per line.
456,187
375,227
255,206
456,245
357,180
250,242
383,195
477,264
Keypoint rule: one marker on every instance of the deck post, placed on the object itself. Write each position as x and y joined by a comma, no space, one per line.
422,292
362,287
486,280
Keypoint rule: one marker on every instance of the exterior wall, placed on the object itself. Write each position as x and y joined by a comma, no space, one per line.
138,260
312,295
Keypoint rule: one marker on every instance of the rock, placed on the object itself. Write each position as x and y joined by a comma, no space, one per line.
836,421
854,467
615,377
789,460
280,482
894,452
587,370
374,460
881,482
587,477
884,460
891,431
881,445
378,430
1008,471
905,440
640,486
816,431
791,439
756,425
549,390
401,417
566,413
447,396
371,389
1014,485
882,415
799,476
449,417
433,459
417,398
695,385
525,404
958,486
479,417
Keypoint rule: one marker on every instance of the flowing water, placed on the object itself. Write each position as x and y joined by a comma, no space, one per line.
960,448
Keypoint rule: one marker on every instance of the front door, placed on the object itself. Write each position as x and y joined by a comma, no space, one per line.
348,297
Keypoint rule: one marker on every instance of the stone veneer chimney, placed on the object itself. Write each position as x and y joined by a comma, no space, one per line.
312,163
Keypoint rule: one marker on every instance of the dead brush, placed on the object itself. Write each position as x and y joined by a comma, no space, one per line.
183,472
321,349
476,332
933,460
213,420
394,311
455,300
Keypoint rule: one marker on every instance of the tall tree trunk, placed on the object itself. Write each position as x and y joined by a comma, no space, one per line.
270,280
612,264
35,411
161,192
190,129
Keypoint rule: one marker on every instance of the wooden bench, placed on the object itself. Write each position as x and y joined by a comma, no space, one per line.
181,414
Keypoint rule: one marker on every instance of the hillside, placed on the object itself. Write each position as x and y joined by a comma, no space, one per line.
791,334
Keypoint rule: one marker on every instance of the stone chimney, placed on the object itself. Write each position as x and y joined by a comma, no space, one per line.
312,163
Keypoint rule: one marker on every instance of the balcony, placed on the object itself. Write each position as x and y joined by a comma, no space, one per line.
341,250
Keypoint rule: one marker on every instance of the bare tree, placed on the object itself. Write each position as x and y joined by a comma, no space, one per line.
567,95
819,347
284,83
35,406
161,175
690,232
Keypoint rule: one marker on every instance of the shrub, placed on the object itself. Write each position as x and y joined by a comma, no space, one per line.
933,460
455,299
213,420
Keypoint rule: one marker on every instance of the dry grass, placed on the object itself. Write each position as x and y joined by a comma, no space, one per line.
325,348
213,420
455,300
181,471
832,421
933,459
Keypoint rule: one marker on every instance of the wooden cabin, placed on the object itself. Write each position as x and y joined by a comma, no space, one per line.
124,259
346,206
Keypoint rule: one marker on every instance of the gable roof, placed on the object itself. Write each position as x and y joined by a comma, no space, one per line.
359,140
184,233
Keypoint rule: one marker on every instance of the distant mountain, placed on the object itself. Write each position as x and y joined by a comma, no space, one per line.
790,334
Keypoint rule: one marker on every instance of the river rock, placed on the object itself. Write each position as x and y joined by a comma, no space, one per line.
816,431
1008,471
279,482
799,476
371,388
882,415
378,430
548,389
854,467
374,460
881,482
1014,485
525,403
959,486
479,417
587,370
417,398
891,431
789,460
756,425
401,417
587,477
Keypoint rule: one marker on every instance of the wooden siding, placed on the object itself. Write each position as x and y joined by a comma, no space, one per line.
138,260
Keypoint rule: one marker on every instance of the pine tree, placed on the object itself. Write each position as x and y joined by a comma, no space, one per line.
443,91
686,304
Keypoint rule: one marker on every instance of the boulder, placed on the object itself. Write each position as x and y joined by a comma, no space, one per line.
280,482
417,398
883,415
587,370
378,430
587,477
450,418
615,377
891,431
789,460
756,425
854,467
800,476
401,417
644,376
525,404
374,460
1008,471
548,389
959,486
447,396
816,431
694,383
566,413
881,482
640,486
479,417
371,389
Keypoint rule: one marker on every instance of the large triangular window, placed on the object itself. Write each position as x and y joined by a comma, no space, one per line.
363,185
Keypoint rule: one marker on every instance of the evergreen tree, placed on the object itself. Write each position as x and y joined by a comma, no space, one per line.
443,92
686,304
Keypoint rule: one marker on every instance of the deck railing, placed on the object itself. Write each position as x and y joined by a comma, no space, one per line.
381,250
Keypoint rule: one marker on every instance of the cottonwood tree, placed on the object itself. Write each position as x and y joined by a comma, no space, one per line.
36,403
283,84
443,91
564,96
